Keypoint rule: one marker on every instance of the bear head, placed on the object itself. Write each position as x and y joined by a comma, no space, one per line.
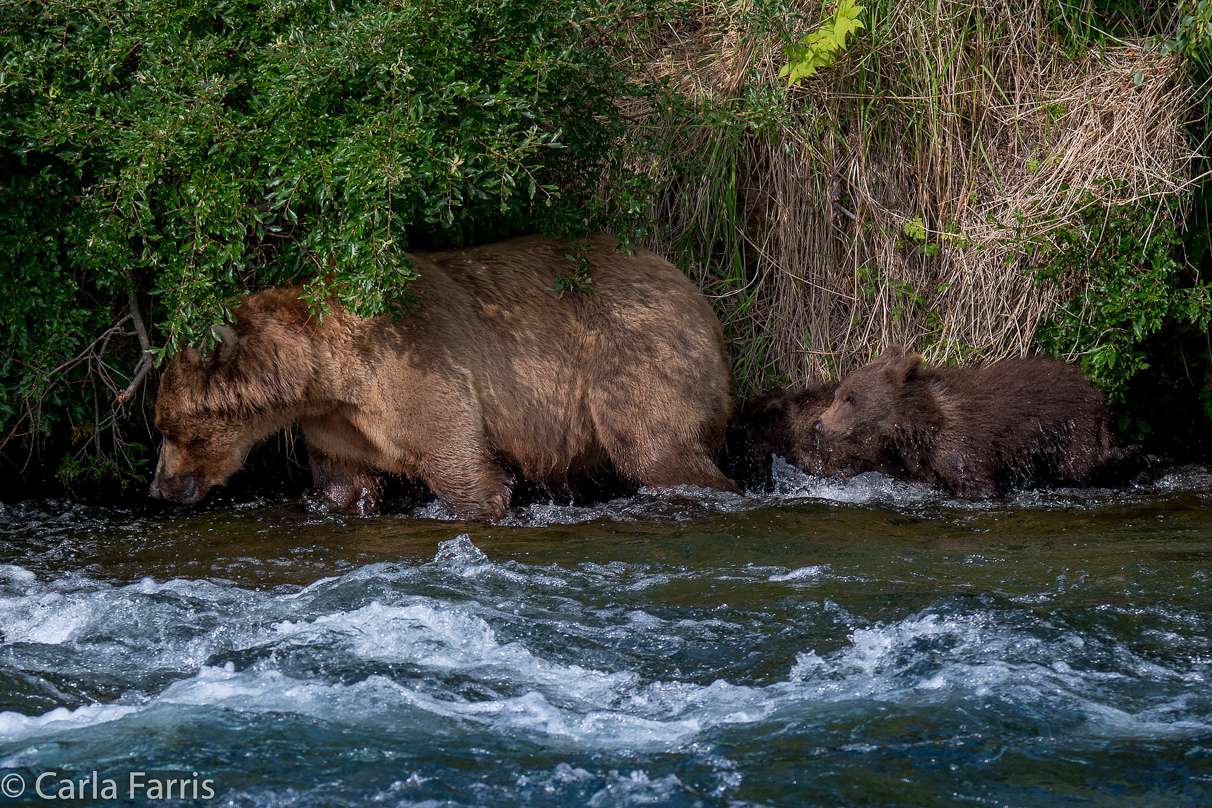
781,421
211,409
869,398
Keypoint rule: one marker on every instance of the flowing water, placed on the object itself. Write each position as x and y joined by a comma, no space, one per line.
865,644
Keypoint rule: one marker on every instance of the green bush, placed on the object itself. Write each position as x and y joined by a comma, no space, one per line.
187,152
190,151
1124,261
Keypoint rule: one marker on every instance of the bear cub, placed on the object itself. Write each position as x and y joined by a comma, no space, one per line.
782,422
978,432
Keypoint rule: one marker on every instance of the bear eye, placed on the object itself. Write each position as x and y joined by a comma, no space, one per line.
850,400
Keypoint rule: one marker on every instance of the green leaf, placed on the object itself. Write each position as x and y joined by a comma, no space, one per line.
915,229
819,49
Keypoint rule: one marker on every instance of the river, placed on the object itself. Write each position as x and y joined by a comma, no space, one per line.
866,644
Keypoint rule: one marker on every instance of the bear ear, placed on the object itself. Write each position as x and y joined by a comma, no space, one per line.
262,371
228,342
900,366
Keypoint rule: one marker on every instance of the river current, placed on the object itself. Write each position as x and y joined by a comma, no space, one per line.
866,644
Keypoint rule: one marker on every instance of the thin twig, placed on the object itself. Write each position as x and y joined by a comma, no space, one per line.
87,352
145,360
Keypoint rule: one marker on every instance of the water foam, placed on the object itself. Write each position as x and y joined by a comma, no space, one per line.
16,727
801,575
647,505
790,483
394,658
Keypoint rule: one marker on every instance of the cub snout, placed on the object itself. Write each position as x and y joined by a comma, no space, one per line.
828,425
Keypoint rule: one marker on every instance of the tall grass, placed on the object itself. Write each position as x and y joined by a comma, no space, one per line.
903,194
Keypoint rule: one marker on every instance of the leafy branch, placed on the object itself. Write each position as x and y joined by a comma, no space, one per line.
821,47
1194,28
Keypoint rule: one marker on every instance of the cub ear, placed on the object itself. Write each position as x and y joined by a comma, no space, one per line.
900,365
760,412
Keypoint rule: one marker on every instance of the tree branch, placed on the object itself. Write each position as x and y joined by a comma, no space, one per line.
145,361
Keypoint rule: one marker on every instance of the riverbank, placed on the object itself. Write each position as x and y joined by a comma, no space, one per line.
975,181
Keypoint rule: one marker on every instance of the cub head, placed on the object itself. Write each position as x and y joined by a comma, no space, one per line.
210,410
869,395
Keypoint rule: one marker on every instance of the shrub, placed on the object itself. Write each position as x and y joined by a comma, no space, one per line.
191,151
1121,260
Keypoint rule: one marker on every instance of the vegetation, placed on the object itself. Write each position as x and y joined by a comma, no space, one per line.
820,48
911,191
978,180
186,152
1131,287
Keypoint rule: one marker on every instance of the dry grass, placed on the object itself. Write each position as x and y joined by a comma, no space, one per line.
970,119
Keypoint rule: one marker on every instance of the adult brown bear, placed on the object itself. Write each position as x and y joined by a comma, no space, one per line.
980,431
490,375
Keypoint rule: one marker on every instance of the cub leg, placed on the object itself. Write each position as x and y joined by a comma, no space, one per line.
966,476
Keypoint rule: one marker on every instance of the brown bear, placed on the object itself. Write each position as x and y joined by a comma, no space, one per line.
977,432
490,375
782,422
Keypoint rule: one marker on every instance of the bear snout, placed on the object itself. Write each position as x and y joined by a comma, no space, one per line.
831,429
183,488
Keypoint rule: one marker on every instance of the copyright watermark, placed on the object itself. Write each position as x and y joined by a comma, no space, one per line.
52,786
12,785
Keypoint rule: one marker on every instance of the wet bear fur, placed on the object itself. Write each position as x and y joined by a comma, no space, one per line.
978,432
782,422
491,377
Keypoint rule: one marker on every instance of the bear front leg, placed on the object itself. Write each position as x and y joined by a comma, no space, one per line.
691,466
966,476
666,464
351,486
470,485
